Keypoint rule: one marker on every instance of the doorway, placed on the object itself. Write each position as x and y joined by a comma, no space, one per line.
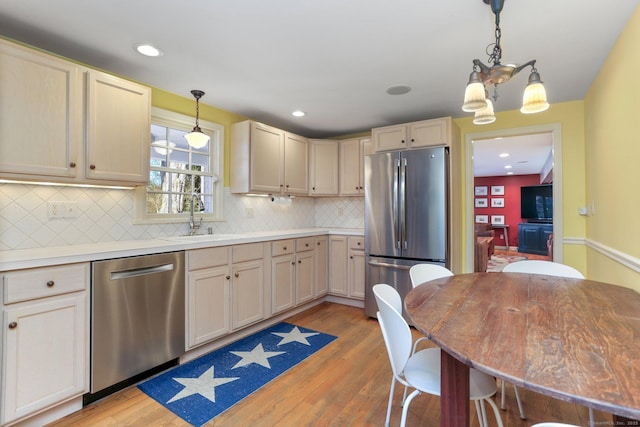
556,134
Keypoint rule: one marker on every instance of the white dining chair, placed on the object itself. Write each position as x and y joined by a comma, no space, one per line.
549,268
421,370
421,273
553,425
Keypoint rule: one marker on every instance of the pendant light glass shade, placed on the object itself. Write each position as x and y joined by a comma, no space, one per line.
534,99
485,116
474,99
196,138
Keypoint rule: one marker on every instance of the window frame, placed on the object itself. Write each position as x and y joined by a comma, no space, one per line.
183,122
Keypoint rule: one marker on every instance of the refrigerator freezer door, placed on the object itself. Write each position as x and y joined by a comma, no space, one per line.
381,204
425,228
394,272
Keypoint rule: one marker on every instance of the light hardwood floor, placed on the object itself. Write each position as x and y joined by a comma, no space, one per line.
344,384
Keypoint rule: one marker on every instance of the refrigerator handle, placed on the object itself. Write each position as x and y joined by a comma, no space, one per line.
396,174
403,204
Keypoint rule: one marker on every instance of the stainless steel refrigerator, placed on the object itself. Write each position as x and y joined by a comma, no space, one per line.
406,216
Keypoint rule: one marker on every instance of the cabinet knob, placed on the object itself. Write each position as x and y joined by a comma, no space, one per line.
413,140
50,283
299,261
306,244
228,277
13,325
287,185
293,263
72,164
351,257
284,249
237,275
92,167
358,243
361,188
402,141
318,243
313,188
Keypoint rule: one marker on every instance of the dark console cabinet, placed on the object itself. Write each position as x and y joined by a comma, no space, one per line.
532,238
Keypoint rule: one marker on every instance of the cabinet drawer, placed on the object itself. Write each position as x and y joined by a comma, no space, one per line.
23,285
305,244
208,257
247,252
356,243
282,247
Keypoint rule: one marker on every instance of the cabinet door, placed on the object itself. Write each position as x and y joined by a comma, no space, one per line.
247,293
323,168
282,281
209,304
40,113
390,138
267,159
119,119
366,147
429,133
296,164
45,348
322,265
350,167
305,276
356,274
338,265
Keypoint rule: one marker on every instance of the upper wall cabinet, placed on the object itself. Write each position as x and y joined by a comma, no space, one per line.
323,167
268,160
352,152
62,122
424,133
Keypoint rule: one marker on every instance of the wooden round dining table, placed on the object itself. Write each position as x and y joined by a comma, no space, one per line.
571,339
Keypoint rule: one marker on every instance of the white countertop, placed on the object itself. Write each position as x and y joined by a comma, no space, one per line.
40,257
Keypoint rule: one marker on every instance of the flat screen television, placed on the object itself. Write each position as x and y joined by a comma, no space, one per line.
536,203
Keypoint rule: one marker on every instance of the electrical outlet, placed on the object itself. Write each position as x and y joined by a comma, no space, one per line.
62,209
249,212
340,211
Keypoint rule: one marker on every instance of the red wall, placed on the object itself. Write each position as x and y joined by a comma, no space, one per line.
511,209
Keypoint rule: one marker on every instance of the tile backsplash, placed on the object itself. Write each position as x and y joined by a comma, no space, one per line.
105,215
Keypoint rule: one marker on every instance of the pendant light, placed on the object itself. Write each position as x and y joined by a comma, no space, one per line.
196,138
534,98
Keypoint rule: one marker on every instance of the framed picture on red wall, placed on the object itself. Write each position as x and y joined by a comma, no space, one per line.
482,190
482,219
497,202
497,190
497,219
482,202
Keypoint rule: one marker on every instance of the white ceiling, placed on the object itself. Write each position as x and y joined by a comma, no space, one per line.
333,59
527,155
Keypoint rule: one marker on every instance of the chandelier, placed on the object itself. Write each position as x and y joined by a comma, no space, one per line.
476,96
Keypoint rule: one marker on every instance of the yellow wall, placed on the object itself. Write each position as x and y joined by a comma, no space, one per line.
570,115
187,106
612,141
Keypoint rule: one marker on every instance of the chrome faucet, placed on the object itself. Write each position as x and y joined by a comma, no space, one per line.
193,226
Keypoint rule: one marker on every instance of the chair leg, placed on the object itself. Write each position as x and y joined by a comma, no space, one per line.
405,410
496,411
502,396
592,422
391,390
522,414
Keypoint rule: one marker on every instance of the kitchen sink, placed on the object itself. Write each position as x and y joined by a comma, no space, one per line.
201,237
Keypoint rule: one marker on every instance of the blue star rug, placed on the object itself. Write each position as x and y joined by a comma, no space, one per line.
209,385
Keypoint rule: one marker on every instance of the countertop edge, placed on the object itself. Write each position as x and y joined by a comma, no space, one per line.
42,257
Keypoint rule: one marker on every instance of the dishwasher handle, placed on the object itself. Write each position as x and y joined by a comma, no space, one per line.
126,274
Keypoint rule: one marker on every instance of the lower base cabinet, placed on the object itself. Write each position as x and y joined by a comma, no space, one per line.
532,238
45,338
293,273
346,266
225,290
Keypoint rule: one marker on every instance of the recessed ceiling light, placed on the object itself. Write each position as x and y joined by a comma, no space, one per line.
298,113
504,155
148,50
509,173
398,89
508,167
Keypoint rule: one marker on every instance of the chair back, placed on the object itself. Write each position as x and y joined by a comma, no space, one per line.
388,294
421,273
549,268
395,330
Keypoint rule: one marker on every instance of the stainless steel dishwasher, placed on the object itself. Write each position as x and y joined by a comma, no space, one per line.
138,317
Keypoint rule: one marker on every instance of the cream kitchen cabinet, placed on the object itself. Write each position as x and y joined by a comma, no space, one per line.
45,106
346,266
322,265
352,152
323,167
45,339
225,290
293,273
268,160
423,133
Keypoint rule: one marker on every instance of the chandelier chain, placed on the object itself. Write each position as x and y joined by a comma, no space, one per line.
496,55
